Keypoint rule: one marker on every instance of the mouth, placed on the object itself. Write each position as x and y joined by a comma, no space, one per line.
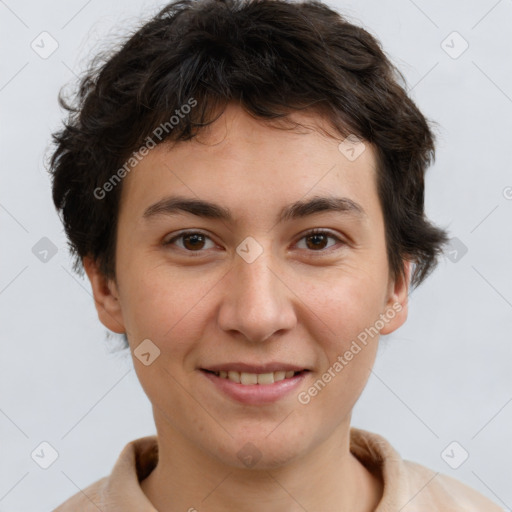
252,379
255,384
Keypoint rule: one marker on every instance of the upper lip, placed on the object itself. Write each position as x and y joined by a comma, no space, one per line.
254,368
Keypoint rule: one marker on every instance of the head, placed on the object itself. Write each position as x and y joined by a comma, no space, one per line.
269,119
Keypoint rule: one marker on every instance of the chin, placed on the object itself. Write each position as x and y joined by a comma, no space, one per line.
261,451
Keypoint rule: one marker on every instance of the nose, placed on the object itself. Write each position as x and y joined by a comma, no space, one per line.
257,302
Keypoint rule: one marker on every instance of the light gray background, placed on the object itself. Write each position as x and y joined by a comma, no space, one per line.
445,376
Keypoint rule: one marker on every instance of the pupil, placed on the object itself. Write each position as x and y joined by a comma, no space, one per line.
196,240
319,238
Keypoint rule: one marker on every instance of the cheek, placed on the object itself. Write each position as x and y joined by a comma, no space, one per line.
346,304
345,324
348,349
166,305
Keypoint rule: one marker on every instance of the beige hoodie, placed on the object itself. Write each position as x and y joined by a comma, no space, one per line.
408,487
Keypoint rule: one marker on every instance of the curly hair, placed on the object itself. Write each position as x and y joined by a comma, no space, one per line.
273,57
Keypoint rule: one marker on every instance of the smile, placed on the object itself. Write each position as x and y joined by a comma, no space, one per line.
255,388
251,379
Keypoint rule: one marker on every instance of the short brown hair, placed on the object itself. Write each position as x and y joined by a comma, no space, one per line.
273,57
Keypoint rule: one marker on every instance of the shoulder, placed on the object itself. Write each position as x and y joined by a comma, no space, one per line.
86,500
121,489
438,491
411,487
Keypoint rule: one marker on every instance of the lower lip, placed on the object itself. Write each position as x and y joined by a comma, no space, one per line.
256,393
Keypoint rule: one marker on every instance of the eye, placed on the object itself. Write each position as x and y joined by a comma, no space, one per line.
192,241
196,241
316,239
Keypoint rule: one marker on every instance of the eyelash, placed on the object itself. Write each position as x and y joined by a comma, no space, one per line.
316,231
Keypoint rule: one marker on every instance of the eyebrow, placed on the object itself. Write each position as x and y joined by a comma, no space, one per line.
173,205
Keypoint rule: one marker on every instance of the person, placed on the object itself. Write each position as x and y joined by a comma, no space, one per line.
243,184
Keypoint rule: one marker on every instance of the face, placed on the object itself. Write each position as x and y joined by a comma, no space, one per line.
243,285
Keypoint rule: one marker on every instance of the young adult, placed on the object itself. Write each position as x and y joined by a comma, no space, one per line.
243,184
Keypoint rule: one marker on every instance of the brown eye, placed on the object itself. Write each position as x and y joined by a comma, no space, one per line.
317,240
194,241
191,241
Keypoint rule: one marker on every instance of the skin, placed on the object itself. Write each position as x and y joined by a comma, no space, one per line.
295,303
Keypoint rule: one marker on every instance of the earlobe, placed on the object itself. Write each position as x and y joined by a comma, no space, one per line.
106,297
397,305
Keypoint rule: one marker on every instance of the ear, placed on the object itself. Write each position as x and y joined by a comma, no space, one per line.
106,297
397,302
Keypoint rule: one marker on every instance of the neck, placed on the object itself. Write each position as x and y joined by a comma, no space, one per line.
328,477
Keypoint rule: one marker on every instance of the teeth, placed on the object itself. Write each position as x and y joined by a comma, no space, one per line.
263,378
234,376
249,379
279,376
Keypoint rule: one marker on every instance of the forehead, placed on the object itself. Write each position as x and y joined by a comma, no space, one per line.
242,160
